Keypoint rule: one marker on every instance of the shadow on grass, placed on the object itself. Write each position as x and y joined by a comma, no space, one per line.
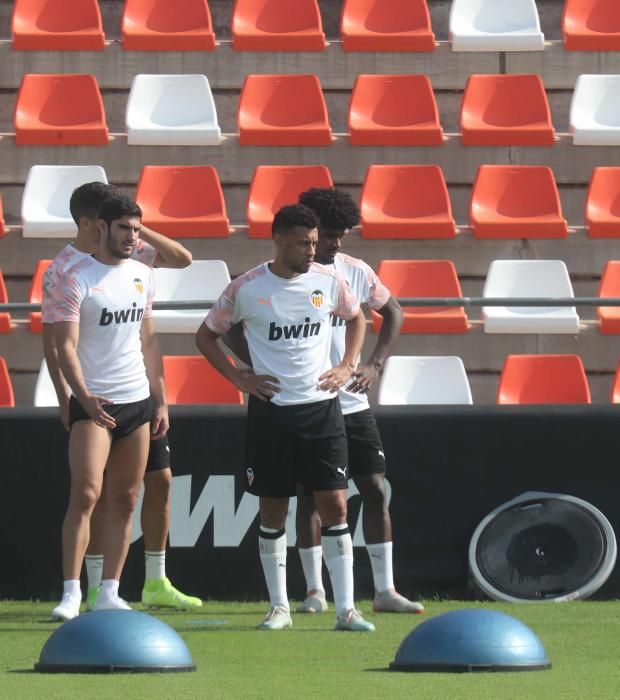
22,670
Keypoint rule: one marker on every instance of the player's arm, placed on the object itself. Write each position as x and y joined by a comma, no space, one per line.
235,340
155,375
366,374
61,387
354,340
263,386
66,334
170,253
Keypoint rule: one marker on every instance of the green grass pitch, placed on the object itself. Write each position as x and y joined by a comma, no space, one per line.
310,660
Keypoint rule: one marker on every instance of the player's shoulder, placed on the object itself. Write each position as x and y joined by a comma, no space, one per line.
247,278
354,264
327,270
67,257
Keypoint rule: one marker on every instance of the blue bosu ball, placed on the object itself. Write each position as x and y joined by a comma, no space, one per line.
114,641
471,640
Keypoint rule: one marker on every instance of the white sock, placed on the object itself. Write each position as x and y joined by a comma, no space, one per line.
272,547
381,563
72,587
155,565
94,569
312,564
338,553
109,588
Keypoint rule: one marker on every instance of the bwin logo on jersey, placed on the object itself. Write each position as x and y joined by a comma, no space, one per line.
132,315
138,285
316,298
301,330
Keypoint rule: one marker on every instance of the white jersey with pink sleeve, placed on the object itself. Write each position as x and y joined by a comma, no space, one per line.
109,302
67,258
369,289
287,324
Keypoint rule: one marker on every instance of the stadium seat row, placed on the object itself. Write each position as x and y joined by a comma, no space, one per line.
397,201
273,25
290,110
204,280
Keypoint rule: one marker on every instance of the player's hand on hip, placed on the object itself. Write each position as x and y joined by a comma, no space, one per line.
160,422
363,378
94,406
335,378
261,386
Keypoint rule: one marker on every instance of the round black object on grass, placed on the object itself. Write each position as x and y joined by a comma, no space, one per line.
114,641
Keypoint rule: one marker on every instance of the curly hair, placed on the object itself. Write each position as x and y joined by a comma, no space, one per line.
292,215
336,209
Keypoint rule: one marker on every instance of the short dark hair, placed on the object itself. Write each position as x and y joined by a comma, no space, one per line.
336,209
293,215
117,206
86,199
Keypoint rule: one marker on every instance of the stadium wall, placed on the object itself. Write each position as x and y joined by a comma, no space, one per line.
447,468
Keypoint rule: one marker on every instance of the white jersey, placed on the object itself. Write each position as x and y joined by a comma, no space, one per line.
67,258
287,324
109,302
369,289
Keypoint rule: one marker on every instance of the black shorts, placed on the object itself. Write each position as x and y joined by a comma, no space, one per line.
366,455
128,416
159,455
286,445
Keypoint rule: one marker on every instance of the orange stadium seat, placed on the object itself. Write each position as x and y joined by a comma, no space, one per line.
528,379
423,278
273,25
591,25
7,397
506,110
283,110
394,110
603,204
192,379
5,317
57,25
183,201
36,295
162,25
615,389
609,316
522,201
2,232
386,25
273,186
60,110
406,201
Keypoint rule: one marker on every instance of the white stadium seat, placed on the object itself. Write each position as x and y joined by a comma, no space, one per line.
424,380
44,392
495,25
171,110
45,202
529,278
595,111
203,280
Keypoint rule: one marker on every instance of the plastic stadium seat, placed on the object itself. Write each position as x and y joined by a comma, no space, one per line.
183,201
495,25
5,317
394,110
615,389
44,392
511,201
171,110
162,25
45,202
192,379
595,111
609,316
530,379
57,25
603,204
506,110
529,278
7,397
1,219
423,278
386,25
203,280
424,380
283,110
36,295
273,25
591,25
273,186
406,201
60,110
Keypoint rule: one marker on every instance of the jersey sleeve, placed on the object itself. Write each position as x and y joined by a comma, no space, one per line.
144,253
150,295
47,298
225,313
378,293
69,293
347,304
